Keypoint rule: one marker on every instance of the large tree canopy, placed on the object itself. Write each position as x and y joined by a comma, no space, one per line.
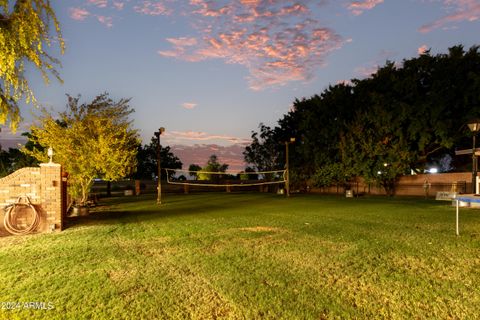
25,34
380,127
93,140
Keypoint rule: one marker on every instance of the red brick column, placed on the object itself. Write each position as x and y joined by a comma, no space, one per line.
51,194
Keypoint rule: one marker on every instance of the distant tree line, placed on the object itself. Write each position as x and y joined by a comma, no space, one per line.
207,173
377,128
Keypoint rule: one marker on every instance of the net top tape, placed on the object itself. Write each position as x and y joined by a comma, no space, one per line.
226,172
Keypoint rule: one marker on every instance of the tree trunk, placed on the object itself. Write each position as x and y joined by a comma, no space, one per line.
86,185
390,187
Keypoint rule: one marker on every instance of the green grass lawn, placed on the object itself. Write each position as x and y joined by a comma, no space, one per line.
249,256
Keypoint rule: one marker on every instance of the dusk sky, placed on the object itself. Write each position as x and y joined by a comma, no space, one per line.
211,71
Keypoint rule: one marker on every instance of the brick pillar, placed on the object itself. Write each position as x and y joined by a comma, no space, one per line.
51,194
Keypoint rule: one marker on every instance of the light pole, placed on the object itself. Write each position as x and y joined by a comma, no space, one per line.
287,175
159,183
474,126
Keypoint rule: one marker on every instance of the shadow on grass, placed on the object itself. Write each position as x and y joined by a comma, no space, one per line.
144,208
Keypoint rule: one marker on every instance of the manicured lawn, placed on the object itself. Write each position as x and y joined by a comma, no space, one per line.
249,256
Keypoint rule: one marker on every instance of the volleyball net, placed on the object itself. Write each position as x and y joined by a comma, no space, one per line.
225,179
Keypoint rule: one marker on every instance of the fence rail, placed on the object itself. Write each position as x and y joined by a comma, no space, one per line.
407,189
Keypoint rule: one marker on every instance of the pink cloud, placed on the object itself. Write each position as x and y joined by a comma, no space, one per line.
78,14
277,41
118,5
183,137
358,7
209,9
189,105
98,3
463,10
423,49
182,42
152,8
106,21
180,46
252,3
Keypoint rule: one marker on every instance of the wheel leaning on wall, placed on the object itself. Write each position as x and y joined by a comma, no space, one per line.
10,217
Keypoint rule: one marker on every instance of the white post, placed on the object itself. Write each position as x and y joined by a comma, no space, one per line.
457,220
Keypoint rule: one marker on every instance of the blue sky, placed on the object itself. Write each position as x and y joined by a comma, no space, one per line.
211,71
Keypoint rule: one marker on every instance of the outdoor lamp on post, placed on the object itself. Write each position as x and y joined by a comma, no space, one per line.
50,154
287,176
159,183
474,126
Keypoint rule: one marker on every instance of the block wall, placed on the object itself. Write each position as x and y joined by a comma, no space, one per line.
413,185
43,186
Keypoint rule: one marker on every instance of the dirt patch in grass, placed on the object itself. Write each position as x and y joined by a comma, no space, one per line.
198,296
120,275
437,268
263,229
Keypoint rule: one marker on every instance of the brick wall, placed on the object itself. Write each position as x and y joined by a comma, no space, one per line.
43,186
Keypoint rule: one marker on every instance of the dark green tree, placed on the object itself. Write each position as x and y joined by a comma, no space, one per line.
413,113
320,120
264,152
14,159
381,127
147,160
